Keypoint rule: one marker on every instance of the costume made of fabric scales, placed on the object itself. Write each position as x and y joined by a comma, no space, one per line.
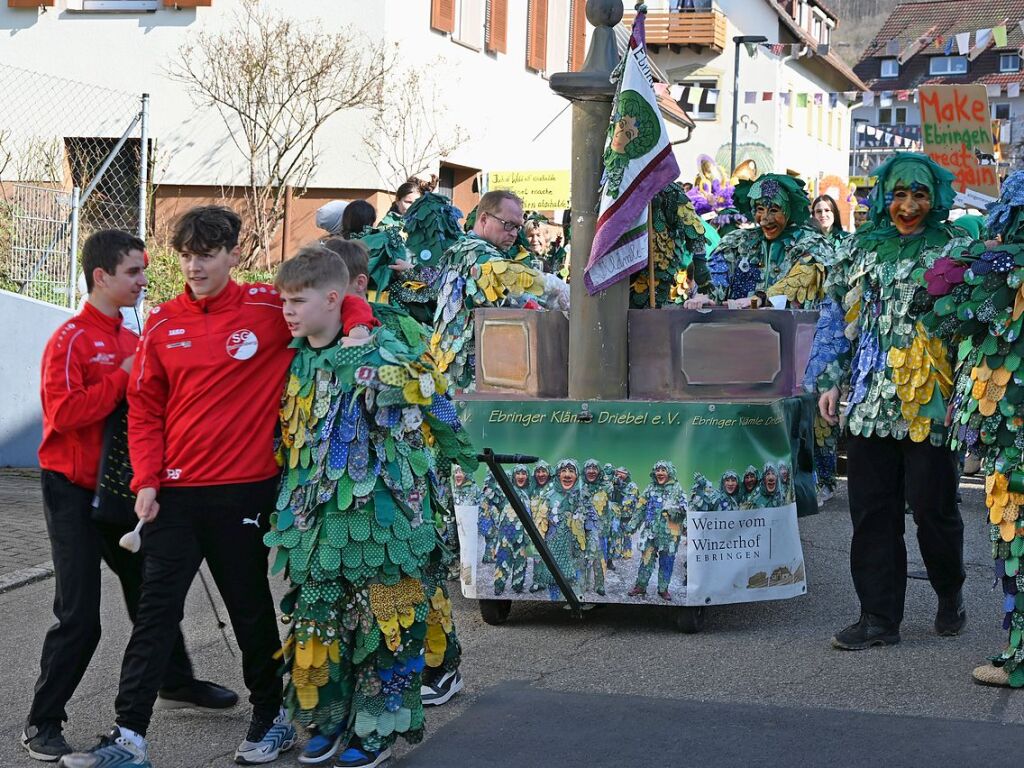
659,521
899,372
363,429
474,274
510,558
677,243
978,295
561,514
622,498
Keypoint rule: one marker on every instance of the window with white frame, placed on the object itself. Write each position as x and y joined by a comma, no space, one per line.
892,116
700,99
1009,62
890,68
469,24
558,36
1000,111
947,65
114,6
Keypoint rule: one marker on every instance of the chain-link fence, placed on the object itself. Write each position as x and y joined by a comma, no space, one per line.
72,161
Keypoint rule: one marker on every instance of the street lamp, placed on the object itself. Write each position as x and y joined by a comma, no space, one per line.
739,40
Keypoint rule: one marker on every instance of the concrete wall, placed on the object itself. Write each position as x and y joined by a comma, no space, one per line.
28,325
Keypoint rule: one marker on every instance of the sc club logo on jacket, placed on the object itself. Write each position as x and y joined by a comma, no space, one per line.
242,344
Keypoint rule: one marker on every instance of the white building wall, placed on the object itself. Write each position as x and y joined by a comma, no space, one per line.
500,103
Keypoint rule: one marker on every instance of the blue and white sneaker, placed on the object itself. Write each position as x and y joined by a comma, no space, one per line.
321,747
115,750
266,739
357,757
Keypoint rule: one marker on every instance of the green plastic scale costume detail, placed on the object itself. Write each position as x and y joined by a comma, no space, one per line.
870,337
510,555
596,526
660,521
560,514
977,291
792,264
363,432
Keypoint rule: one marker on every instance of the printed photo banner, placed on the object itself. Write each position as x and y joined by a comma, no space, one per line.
647,503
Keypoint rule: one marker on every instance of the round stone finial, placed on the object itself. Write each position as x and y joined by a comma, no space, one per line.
604,13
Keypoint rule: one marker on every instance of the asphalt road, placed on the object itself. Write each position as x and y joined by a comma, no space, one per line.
759,686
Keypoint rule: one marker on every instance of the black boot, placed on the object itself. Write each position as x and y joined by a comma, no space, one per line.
868,632
951,616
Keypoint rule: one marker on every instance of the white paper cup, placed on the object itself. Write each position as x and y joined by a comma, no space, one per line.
778,302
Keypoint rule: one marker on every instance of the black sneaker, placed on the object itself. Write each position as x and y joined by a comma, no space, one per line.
951,616
45,742
867,632
442,689
200,694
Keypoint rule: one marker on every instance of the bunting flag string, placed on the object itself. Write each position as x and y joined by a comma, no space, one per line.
964,43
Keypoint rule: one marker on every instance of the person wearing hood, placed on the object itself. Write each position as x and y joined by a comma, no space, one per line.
561,512
749,487
770,489
704,496
596,526
860,213
329,216
493,500
987,397
781,256
660,521
622,497
510,553
539,482
729,489
786,481
870,338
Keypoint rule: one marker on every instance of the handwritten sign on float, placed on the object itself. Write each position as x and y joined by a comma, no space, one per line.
539,190
957,131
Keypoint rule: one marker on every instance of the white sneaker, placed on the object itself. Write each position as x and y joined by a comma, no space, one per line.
442,689
266,740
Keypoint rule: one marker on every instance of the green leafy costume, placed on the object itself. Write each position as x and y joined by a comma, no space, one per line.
660,521
730,501
749,487
474,274
792,265
363,430
510,556
561,514
977,289
597,526
538,488
766,497
869,335
703,495
623,498
678,243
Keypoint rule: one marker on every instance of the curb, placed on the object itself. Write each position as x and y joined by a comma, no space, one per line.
23,576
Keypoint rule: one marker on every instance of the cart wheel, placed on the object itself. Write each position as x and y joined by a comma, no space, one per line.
690,620
495,612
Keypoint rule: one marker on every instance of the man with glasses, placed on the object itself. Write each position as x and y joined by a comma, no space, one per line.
476,274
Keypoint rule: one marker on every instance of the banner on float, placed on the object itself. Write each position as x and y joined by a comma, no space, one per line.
539,190
656,503
956,130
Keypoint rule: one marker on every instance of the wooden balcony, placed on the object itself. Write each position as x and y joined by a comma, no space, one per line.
695,29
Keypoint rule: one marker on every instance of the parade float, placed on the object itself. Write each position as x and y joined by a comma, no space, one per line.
635,451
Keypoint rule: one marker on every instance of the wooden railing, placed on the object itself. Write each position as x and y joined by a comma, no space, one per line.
700,29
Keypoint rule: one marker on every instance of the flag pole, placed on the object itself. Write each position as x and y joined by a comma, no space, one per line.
650,254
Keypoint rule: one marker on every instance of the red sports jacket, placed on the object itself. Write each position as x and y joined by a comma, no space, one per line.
82,383
206,388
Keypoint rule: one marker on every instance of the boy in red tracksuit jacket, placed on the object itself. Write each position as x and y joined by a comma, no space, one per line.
84,376
203,399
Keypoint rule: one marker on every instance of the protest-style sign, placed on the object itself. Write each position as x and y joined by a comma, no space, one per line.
956,131
539,190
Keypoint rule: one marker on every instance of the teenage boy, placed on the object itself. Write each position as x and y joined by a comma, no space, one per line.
84,375
203,400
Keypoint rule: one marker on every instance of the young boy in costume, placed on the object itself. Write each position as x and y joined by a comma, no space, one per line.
441,678
85,373
354,524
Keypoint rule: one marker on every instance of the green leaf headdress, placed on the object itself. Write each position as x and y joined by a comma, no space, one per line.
910,169
778,188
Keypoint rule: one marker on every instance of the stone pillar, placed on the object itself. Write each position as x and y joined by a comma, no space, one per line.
597,324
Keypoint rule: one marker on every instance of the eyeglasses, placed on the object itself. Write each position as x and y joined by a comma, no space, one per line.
508,226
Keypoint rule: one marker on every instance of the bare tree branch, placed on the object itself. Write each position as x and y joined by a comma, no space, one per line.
275,83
